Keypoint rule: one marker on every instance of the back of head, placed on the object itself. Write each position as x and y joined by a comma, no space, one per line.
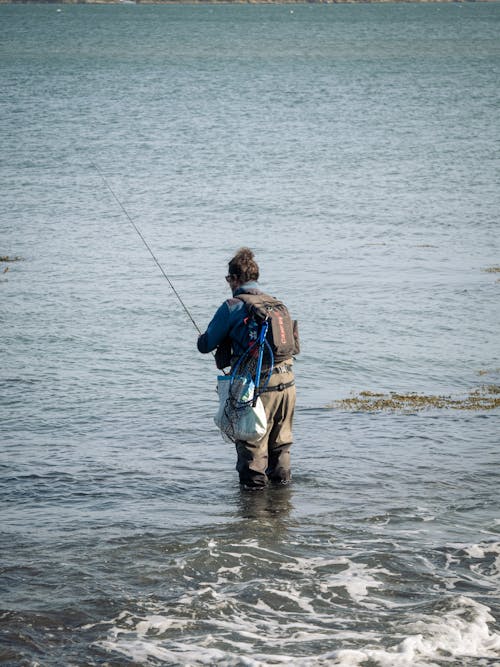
243,266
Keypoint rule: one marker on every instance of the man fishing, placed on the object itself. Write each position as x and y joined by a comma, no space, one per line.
231,332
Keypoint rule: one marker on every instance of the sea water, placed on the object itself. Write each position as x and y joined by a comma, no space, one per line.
355,149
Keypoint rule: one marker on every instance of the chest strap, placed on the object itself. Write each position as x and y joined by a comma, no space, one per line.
278,387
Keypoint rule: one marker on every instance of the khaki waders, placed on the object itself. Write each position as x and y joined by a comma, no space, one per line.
269,459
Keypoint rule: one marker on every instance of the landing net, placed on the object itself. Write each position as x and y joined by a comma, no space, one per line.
242,392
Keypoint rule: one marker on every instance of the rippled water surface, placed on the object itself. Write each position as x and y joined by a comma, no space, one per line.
355,149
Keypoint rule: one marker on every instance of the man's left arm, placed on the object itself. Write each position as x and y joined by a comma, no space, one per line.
216,332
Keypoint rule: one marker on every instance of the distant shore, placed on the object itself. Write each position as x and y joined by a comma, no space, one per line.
231,2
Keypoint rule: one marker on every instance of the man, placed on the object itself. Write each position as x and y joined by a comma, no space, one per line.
269,458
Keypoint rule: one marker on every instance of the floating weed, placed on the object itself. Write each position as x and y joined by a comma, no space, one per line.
488,371
492,269
8,258
486,397
488,389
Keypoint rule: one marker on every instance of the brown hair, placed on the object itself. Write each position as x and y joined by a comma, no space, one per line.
243,266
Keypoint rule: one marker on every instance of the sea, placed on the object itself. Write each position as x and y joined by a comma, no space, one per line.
355,148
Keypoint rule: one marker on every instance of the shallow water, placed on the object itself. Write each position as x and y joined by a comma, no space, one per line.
355,149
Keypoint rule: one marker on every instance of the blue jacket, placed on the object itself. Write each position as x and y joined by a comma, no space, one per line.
228,321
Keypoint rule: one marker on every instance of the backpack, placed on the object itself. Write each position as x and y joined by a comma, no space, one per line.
282,334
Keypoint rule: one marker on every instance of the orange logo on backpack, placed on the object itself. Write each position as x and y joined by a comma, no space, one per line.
281,325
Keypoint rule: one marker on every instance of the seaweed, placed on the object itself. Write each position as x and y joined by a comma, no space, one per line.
485,397
492,269
7,258
488,371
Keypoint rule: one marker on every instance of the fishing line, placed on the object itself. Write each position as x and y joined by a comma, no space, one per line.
146,244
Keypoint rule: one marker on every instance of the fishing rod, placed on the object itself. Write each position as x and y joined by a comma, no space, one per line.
145,243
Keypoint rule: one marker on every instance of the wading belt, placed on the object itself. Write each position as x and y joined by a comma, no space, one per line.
278,387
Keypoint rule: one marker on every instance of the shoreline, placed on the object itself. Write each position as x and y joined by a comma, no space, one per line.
240,2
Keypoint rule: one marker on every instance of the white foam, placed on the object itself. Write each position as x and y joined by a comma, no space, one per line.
475,551
462,632
356,579
310,565
484,550
295,596
203,591
458,630
218,623
230,570
226,575
485,557
425,514
159,624
480,550
142,651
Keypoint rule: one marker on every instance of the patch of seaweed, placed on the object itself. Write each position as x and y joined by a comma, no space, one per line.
485,397
8,258
492,269
489,371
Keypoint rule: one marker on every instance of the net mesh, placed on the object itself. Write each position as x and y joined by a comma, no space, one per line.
242,390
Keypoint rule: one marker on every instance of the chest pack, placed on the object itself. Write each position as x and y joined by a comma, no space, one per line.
282,333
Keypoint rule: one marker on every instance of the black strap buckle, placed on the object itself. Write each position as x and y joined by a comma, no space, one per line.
279,387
